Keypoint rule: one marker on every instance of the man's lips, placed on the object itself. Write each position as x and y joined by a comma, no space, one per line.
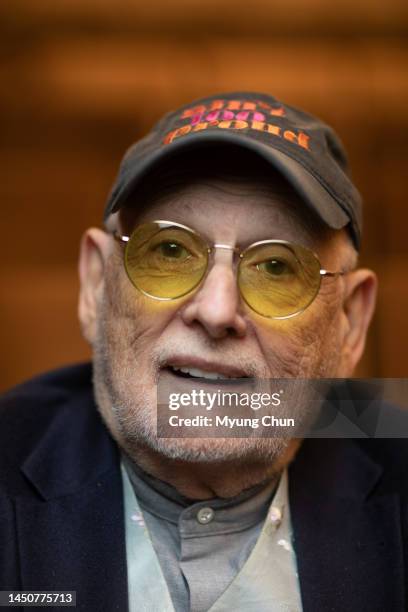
201,368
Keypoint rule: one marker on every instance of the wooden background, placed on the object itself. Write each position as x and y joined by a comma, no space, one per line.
81,79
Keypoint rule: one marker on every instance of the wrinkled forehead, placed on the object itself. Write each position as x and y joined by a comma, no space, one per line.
216,186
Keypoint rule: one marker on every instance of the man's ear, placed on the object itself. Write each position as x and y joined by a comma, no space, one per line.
358,306
93,255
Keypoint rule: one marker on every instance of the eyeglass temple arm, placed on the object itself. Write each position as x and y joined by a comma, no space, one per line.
119,237
333,274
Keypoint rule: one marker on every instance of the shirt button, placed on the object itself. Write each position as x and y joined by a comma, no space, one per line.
205,515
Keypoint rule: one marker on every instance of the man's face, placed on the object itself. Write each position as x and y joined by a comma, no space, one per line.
138,338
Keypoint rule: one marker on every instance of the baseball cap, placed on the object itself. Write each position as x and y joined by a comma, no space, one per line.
305,150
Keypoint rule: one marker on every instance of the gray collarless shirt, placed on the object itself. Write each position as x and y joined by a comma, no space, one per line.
201,546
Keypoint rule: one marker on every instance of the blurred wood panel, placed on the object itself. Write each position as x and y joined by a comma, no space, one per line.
39,327
391,323
195,16
81,80
51,197
360,81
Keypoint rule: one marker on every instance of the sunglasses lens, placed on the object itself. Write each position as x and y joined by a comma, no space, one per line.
279,280
165,262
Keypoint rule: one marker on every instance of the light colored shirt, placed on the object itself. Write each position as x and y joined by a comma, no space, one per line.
203,550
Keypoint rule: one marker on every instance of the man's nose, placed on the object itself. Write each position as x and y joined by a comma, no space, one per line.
217,303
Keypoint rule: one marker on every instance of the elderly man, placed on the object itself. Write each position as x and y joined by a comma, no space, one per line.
229,251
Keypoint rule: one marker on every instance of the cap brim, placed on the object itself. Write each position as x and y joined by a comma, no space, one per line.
304,183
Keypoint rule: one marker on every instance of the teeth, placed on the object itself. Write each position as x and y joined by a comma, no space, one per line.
197,373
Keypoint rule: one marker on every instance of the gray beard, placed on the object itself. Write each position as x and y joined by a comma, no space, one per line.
130,415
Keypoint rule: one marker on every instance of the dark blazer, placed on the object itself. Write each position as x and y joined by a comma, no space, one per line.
61,506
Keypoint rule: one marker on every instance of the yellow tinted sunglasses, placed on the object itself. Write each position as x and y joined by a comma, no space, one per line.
277,279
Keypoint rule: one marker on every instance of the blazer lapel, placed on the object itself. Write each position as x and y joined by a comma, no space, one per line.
71,535
347,538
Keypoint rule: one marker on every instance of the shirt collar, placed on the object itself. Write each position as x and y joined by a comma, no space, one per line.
164,501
